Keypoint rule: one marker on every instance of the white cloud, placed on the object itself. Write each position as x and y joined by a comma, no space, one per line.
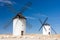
8,2
28,17
5,1
40,15
2,2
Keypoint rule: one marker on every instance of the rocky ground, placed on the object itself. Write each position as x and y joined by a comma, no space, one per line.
30,37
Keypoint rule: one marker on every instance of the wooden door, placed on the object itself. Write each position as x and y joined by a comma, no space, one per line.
22,32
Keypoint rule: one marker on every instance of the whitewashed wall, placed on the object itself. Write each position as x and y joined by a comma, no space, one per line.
46,30
18,26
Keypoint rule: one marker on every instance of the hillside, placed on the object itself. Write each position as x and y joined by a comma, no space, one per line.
30,37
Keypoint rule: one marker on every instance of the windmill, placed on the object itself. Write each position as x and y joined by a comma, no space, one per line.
46,27
19,21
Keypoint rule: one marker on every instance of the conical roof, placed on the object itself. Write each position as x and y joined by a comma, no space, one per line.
47,24
20,16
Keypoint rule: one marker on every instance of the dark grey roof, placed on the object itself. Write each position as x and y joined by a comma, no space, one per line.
47,24
19,16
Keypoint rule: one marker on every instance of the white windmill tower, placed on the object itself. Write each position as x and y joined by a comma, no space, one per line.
19,25
19,21
46,27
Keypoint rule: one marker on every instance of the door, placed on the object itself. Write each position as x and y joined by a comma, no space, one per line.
22,32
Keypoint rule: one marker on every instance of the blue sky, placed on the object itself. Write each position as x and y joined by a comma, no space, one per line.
39,9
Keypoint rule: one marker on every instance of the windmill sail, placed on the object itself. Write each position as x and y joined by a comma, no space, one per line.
7,24
25,7
10,7
43,23
14,11
54,30
29,25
